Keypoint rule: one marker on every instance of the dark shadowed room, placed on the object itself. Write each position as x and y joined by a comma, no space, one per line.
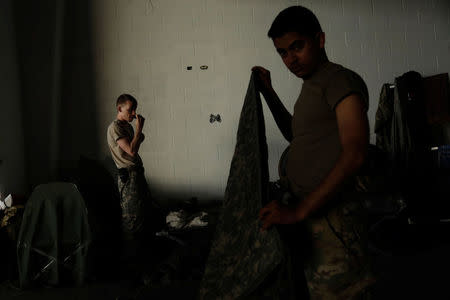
225,149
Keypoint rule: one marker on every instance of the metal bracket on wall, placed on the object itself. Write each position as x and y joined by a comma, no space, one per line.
213,118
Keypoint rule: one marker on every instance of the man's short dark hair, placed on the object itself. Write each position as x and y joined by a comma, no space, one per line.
124,98
295,19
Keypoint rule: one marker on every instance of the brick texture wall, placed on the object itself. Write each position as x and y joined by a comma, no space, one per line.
144,47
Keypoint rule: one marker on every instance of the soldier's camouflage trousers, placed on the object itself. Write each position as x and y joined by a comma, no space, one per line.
134,193
332,250
339,264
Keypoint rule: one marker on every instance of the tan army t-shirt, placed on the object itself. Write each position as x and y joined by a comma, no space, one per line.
315,146
117,130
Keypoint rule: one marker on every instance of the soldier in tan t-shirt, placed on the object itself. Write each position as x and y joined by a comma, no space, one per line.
136,202
329,136
124,145
120,131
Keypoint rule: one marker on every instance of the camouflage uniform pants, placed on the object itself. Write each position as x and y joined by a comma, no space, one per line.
339,264
332,251
134,193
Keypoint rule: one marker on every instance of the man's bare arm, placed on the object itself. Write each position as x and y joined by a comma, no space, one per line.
282,117
133,147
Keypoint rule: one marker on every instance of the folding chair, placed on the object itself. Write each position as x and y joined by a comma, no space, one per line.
54,236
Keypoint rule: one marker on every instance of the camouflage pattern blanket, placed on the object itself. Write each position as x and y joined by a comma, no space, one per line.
244,262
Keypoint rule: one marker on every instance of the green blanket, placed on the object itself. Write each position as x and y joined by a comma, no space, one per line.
244,262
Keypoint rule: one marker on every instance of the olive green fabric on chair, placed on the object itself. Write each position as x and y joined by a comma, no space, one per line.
54,236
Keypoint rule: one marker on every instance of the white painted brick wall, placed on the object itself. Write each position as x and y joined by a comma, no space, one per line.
144,46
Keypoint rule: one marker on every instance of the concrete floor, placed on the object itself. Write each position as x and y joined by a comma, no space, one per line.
412,262
419,276
120,289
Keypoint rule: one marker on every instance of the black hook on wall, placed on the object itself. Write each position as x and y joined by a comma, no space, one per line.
213,118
